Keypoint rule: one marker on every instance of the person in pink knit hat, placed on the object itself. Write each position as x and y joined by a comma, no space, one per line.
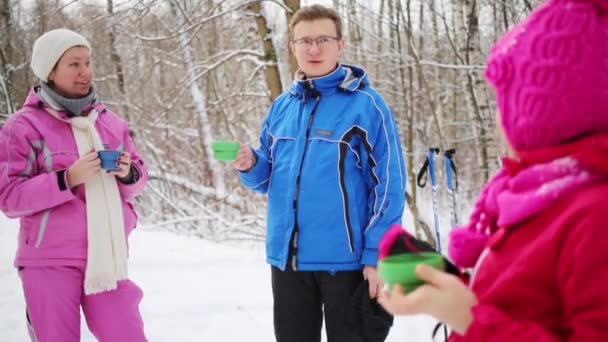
75,212
537,235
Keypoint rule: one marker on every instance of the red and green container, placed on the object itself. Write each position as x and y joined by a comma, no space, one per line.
401,268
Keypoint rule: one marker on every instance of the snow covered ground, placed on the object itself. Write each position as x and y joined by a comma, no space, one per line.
194,290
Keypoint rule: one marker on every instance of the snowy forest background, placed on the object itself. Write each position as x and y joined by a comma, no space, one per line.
185,73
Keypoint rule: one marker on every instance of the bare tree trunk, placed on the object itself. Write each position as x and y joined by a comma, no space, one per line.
271,71
473,48
41,9
425,85
354,31
420,228
473,43
380,32
6,57
293,6
460,26
117,61
392,32
436,75
199,100
434,10
495,21
421,26
505,16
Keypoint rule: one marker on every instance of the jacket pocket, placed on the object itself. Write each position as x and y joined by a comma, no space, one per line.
283,142
130,217
58,160
60,227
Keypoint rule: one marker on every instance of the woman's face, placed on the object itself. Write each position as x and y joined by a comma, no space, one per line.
72,76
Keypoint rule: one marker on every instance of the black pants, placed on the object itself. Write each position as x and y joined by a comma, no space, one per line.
301,298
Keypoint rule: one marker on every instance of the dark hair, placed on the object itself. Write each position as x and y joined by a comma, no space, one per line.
314,12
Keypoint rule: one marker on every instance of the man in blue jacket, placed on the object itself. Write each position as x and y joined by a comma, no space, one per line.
331,163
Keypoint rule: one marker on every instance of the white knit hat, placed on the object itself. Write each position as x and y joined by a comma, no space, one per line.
49,48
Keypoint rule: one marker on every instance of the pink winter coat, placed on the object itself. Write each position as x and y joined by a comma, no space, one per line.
35,148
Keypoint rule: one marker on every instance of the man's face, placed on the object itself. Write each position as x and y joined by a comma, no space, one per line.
316,46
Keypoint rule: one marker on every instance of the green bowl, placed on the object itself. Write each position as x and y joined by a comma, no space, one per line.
225,150
400,269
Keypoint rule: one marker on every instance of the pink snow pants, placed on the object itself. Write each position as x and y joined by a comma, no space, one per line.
54,295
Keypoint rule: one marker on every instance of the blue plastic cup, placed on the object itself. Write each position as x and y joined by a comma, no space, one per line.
109,159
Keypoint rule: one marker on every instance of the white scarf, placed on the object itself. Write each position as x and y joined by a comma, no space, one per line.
107,245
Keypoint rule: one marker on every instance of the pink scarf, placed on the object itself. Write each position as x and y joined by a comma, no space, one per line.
523,188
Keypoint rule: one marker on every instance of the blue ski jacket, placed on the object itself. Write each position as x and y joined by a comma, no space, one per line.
331,163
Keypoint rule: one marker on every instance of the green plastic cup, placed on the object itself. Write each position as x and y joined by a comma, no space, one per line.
400,269
225,150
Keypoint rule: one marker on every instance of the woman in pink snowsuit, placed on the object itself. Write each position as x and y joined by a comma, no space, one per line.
538,233
75,217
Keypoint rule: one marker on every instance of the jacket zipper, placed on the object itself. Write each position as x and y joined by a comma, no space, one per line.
293,250
481,259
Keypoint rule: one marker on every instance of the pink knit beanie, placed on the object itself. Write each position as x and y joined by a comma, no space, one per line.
550,74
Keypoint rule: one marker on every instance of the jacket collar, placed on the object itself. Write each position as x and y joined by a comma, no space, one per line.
346,78
33,100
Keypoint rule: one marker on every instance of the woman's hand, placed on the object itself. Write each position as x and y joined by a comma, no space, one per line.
443,296
83,169
124,163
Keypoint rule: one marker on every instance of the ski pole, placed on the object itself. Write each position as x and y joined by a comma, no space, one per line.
451,178
429,164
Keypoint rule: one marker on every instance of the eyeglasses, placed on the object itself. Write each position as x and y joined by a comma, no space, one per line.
306,43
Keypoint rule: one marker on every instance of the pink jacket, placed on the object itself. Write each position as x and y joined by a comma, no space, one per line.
35,148
544,278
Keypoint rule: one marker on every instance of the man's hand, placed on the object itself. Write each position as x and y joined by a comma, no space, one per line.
244,159
375,283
